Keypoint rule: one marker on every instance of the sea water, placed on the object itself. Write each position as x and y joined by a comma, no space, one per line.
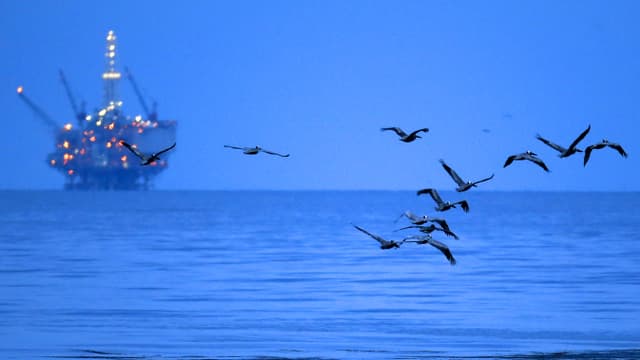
255,274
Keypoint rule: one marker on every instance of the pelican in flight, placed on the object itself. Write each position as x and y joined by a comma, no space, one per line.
528,155
403,136
441,205
444,249
462,185
431,228
254,150
572,148
146,159
421,220
601,145
384,244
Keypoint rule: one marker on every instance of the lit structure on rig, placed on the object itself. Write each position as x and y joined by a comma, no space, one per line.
89,153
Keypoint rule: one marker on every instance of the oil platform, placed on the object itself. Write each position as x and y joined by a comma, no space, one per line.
88,151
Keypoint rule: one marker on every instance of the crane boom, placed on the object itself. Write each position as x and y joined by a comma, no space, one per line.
36,109
74,107
150,115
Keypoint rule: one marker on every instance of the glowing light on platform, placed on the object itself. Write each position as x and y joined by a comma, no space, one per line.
111,126
92,139
65,144
68,126
53,162
70,172
20,89
108,145
123,158
102,112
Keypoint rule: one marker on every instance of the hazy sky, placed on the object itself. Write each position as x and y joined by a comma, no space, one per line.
318,79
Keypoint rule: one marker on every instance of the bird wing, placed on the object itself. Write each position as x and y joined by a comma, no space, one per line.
464,204
553,145
538,161
376,237
485,179
397,131
164,150
619,148
434,195
452,173
234,147
580,137
419,130
510,160
587,153
133,150
444,249
407,227
442,222
274,153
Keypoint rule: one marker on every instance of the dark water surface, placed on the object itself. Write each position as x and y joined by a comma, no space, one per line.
192,275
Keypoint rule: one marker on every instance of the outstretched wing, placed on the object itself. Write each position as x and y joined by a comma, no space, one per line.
619,148
463,204
234,147
397,131
376,237
434,194
419,130
164,150
444,249
442,222
587,153
409,215
510,160
133,149
452,173
553,145
538,162
483,180
580,137
274,153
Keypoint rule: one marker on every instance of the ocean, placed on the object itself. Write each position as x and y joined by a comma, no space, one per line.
285,275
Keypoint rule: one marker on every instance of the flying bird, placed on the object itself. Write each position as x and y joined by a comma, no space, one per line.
572,149
255,150
384,244
421,220
146,159
441,205
528,155
462,185
403,136
604,143
431,228
444,249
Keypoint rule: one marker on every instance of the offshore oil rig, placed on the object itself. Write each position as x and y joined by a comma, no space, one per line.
88,152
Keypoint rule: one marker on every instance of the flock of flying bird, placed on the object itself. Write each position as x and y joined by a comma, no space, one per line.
439,224
419,222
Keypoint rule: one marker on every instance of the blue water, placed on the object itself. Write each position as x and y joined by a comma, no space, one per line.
194,275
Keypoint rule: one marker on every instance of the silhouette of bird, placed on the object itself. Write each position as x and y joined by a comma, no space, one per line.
403,136
255,150
384,244
462,185
441,205
572,149
444,249
528,155
431,228
146,160
421,220
604,143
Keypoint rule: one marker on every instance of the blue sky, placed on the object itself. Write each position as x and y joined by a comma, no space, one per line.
318,79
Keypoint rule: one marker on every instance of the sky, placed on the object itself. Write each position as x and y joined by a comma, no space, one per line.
318,79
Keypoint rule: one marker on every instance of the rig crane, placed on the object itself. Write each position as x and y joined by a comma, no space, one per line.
38,110
79,113
151,115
